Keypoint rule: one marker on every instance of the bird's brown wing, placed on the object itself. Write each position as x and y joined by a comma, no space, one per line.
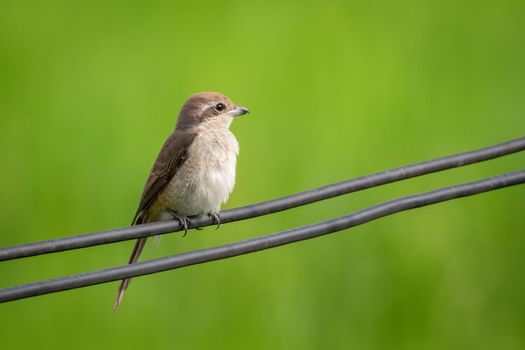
170,159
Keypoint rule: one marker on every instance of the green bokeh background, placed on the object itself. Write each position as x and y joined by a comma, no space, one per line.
337,89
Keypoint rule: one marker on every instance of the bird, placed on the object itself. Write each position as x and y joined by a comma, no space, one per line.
194,172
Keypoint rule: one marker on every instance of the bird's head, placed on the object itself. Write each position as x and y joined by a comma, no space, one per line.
208,108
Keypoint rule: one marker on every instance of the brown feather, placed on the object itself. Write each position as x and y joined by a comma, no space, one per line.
171,157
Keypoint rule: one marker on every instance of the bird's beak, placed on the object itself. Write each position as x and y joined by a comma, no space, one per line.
238,110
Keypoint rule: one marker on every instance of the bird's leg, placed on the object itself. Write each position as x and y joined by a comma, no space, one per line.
183,220
216,219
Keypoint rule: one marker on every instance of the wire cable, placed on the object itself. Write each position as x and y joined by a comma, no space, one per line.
264,242
264,208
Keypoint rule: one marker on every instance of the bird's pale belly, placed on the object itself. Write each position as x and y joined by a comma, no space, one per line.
203,182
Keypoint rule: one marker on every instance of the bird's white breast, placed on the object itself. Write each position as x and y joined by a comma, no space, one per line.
206,178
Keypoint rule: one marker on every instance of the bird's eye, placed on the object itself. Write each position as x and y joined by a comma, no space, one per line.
220,107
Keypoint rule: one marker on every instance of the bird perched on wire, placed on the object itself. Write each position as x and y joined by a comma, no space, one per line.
195,170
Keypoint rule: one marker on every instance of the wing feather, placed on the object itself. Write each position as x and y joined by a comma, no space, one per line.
171,157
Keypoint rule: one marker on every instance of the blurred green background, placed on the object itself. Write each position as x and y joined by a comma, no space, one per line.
337,89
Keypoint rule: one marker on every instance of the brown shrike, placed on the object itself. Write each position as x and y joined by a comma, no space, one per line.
195,170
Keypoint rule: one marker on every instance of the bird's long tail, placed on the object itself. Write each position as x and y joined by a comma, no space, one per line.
139,246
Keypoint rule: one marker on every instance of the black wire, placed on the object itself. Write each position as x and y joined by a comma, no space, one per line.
264,242
264,208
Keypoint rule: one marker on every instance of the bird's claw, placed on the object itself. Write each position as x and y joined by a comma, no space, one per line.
216,219
183,220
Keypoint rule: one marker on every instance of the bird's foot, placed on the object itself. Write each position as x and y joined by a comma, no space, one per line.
216,219
182,219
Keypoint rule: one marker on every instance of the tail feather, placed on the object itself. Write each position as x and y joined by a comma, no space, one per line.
135,254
